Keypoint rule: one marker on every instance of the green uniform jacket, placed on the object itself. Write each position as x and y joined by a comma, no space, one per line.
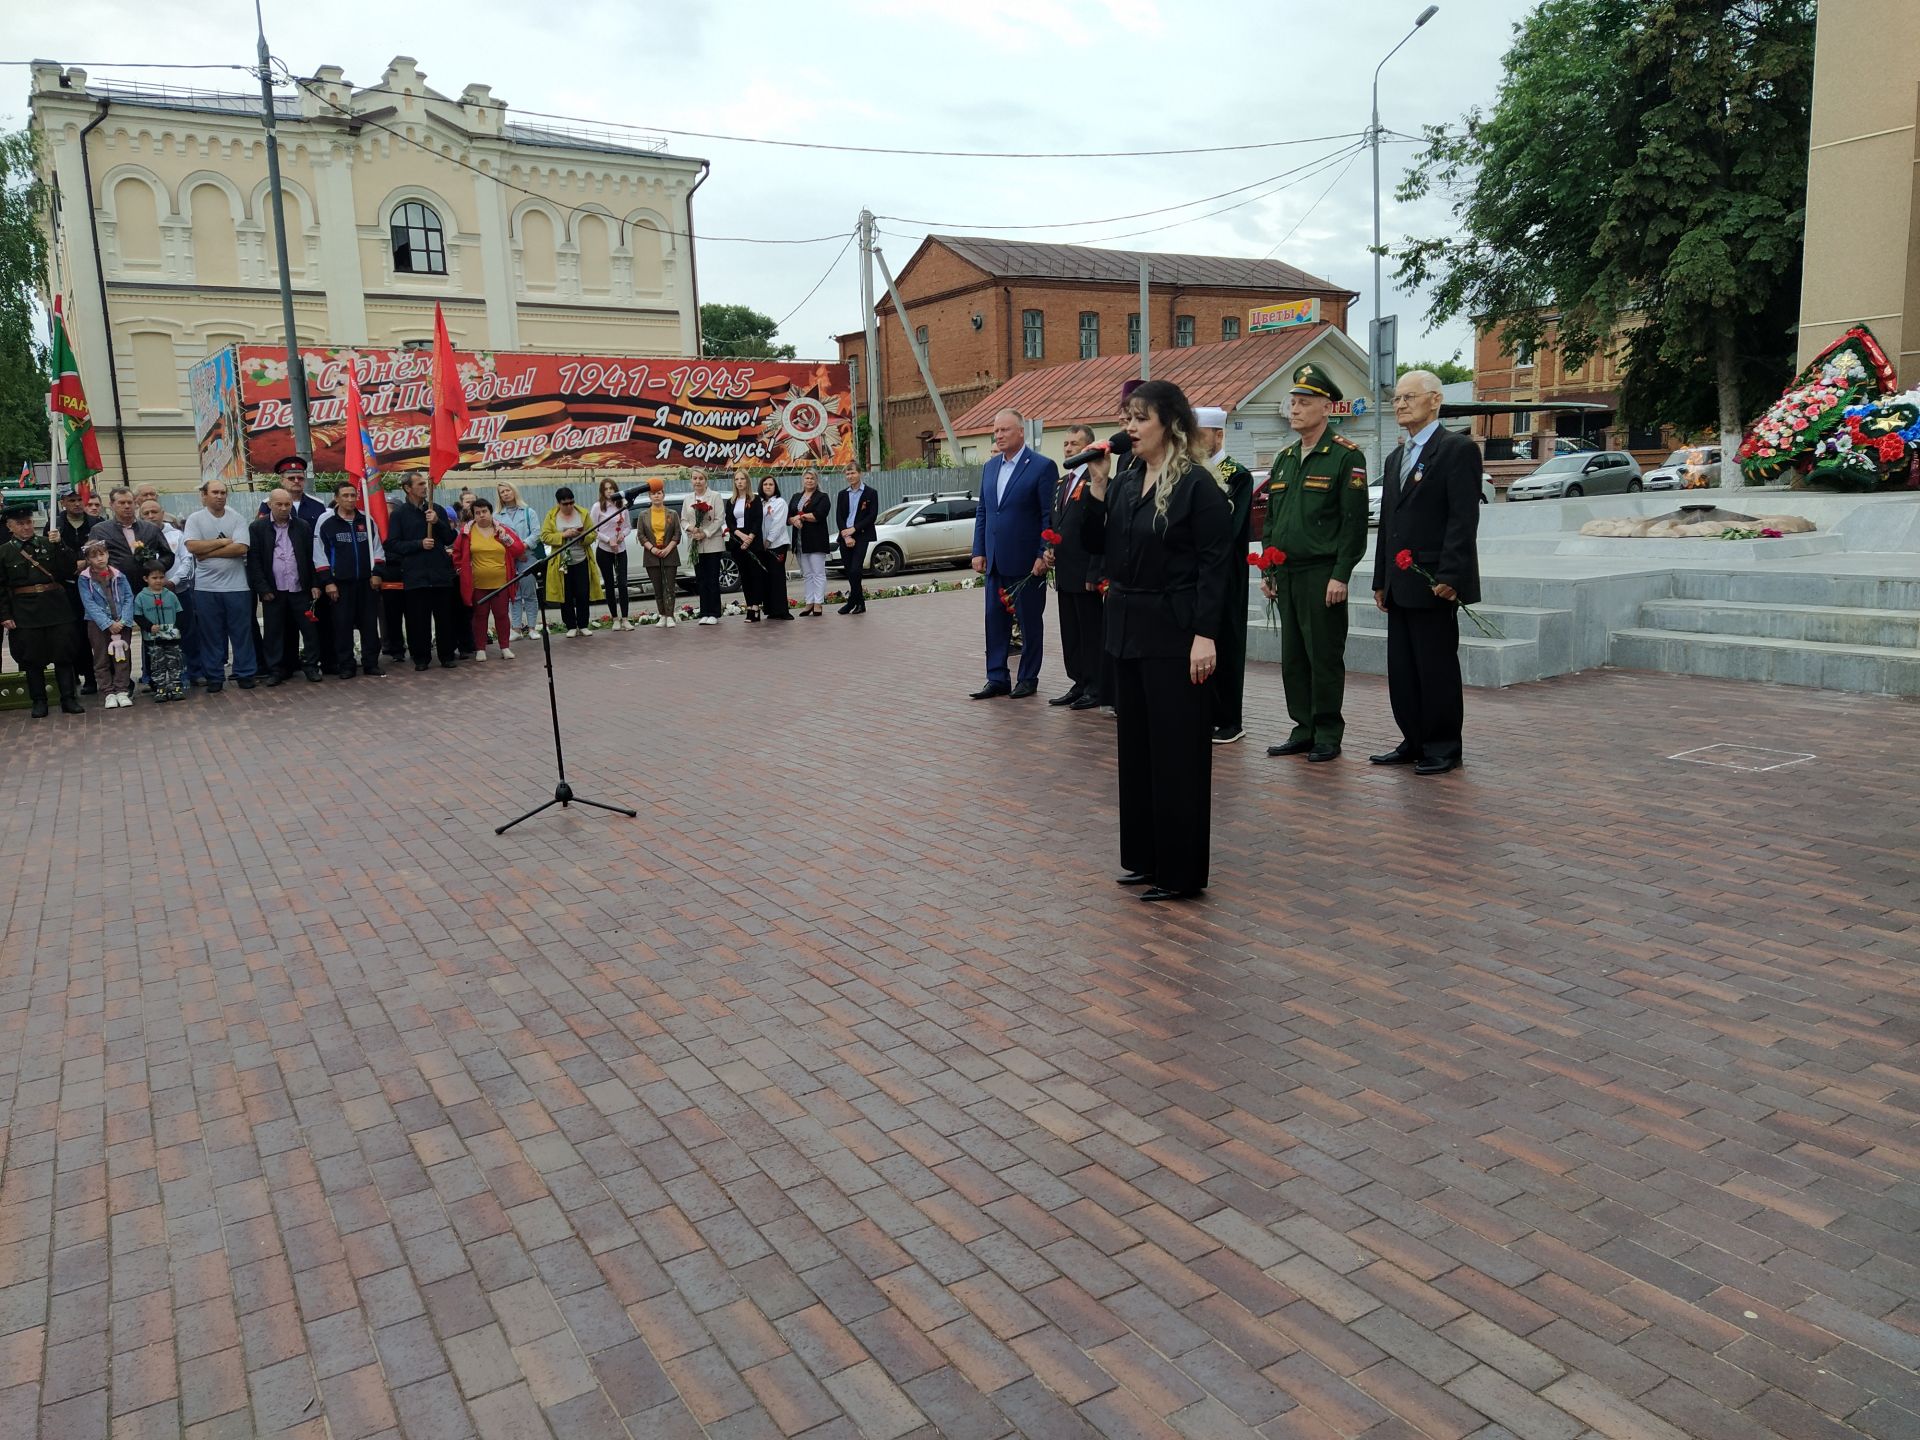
1317,504
35,561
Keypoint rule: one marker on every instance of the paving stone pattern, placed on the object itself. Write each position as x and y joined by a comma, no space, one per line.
1571,1096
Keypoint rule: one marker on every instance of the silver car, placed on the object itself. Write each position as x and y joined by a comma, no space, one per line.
1605,472
922,530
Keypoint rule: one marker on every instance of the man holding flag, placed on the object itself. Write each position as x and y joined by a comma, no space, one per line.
80,448
420,536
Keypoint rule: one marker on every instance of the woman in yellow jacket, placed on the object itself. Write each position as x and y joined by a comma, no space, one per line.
571,582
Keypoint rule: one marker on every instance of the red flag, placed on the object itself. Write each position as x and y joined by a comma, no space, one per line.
361,463
450,414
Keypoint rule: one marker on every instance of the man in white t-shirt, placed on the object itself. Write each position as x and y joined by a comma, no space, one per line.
223,601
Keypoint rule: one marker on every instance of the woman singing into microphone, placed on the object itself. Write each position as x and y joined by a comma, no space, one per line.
1164,526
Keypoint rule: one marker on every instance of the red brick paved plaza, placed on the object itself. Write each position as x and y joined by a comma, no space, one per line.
1570,1096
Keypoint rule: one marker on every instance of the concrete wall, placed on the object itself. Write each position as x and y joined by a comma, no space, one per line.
1862,262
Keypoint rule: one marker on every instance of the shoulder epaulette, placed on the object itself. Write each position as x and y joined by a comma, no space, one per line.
1340,439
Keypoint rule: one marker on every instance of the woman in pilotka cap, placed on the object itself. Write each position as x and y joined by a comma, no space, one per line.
1163,525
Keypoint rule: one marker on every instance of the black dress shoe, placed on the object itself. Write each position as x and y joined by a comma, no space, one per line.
418,666
313,676
991,692
1161,892
1024,689
246,684
71,706
1066,699
860,609
40,709
1435,767
1086,702
375,671
273,680
1292,747
1323,752
846,609
1134,877
1395,756
449,664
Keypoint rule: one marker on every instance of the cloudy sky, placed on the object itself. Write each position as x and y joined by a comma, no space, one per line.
979,75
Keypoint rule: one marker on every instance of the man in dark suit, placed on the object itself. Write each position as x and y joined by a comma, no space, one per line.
1430,510
280,573
1016,498
854,511
131,542
420,538
1076,575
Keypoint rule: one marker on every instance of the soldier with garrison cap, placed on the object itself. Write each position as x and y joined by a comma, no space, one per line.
33,610
1317,515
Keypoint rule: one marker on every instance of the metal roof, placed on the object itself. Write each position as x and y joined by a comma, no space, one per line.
1224,374
1027,259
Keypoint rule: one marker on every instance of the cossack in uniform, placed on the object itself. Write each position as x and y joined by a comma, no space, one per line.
1316,515
33,577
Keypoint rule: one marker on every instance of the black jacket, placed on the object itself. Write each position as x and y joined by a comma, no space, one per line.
862,523
813,537
1074,566
1166,577
1437,519
752,525
260,538
422,569
153,546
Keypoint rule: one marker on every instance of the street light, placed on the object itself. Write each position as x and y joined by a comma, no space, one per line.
1373,358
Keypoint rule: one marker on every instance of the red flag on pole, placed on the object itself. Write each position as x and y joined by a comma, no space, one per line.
450,414
361,463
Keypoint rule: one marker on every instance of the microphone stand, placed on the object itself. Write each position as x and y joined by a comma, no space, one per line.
563,795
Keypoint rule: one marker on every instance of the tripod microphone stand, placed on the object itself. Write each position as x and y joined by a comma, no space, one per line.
563,795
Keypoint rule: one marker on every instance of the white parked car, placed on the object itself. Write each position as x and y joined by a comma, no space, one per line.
1373,497
638,583
1692,467
921,530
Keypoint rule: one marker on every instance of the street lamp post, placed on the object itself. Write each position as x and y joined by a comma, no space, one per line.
1373,356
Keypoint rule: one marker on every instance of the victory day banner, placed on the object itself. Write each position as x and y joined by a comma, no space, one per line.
557,412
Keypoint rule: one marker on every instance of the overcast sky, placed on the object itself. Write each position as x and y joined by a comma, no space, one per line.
991,75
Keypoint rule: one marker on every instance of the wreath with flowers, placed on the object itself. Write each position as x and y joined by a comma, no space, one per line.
1820,426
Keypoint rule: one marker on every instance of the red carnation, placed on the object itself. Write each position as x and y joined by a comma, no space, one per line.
1404,560
1255,560
1052,537
1272,555
1892,447
1006,600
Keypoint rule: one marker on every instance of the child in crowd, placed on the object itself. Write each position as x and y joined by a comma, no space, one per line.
156,610
107,600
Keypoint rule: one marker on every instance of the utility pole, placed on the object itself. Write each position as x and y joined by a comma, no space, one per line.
870,321
296,374
1146,321
933,391
1376,382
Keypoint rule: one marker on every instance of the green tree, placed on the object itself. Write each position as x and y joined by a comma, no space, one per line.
23,270
1640,181
1451,372
740,330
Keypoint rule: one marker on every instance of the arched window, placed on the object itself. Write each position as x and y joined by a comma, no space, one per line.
419,245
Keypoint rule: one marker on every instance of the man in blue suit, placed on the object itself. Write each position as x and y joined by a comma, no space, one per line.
1016,502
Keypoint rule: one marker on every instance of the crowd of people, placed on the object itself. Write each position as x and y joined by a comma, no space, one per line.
308,588
1145,538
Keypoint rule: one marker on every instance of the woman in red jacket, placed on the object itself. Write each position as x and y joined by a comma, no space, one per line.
485,556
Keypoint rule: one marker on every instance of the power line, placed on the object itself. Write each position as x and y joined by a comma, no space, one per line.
1108,219
1316,204
132,65
900,150
535,194
1325,163
816,284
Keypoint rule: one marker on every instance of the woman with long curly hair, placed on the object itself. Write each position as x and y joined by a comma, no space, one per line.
1164,525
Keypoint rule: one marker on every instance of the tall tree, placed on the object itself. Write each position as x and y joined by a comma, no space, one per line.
740,330
23,269
1448,372
1640,181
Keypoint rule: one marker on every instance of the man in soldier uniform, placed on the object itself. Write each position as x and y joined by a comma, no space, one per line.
1317,515
33,610
1229,681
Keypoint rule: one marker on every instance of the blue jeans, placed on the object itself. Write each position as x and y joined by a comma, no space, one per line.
523,609
223,618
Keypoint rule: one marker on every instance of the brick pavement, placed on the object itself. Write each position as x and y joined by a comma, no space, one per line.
1570,1096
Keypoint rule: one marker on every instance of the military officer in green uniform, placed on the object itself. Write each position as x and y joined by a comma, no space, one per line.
1229,682
33,610
1317,515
